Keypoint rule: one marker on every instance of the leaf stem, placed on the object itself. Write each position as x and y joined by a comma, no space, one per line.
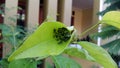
83,33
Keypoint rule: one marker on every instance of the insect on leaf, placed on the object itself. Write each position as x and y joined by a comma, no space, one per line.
42,43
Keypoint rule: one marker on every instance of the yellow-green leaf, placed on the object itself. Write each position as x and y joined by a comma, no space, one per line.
41,43
99,54
79,53
112,18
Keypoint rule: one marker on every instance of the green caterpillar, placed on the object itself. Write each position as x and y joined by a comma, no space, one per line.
62,34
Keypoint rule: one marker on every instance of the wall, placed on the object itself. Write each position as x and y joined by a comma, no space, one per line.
86,18
83,19
77,19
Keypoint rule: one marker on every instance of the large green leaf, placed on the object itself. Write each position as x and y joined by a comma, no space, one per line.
99,54
79,53
65,62
41,43
23,63
112,18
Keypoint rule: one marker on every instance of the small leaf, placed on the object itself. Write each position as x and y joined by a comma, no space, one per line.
41,43
80,53
112,18
99,54
65,62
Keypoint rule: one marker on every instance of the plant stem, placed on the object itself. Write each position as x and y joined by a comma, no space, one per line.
14,39
83,33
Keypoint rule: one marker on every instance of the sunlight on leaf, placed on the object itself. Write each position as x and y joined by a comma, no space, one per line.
79,53
99,54
112,18
41,43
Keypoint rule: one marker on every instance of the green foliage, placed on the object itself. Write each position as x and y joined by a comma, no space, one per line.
113,47
114,5
65,62
4,63
107,32
2,8
99,54
79,53
23,63
48,65
47,43
112,18
111,1
52,39
12,35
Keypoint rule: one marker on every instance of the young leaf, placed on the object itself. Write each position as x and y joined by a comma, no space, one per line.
99,54
65,62
112,18
80,53
41,43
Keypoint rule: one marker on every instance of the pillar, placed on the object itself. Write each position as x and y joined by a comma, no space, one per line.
32,14
65,11
10,18
50,10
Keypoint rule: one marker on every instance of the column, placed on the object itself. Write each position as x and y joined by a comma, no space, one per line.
50,10
10,18
11,12
32,14
96,4
65,11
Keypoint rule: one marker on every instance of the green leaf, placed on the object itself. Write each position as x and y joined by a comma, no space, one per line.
4,63
112,18
79,53
23,63
41,43
65,62
113,47
107,32
99,54
48,65
111,1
